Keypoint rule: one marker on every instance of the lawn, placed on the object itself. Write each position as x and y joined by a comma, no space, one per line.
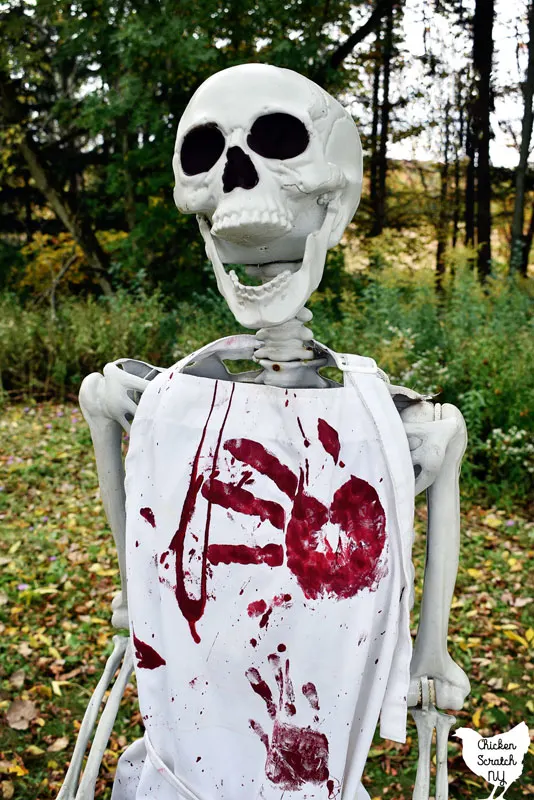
59,574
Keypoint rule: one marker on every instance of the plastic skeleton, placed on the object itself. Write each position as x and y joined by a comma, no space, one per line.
272,167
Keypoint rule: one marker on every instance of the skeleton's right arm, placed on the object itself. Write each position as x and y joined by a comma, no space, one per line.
109,403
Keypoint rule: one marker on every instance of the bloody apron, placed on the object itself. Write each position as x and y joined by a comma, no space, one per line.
269,536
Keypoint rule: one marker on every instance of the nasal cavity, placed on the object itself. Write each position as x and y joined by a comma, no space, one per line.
239,171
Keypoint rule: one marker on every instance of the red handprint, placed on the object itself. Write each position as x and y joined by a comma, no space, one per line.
355,512
355,516
295,756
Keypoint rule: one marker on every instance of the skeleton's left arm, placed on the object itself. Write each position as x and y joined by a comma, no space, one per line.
437,437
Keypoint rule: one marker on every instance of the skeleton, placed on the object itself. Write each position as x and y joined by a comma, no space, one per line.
272,167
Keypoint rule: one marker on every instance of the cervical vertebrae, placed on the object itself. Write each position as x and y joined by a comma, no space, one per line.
285,358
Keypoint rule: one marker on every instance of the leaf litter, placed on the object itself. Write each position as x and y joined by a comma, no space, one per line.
59,575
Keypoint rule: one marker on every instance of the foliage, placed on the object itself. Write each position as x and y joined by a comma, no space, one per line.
59,573
58,262
99,91
473,346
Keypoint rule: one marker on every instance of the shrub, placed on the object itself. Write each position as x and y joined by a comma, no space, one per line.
473,346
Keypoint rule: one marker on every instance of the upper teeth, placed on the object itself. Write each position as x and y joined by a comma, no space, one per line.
257,218
259,292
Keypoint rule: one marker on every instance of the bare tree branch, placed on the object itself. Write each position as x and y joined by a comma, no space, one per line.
345,49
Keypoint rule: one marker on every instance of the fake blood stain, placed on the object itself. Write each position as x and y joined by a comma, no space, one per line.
147,657
148,514
322,570
310,693
329,438
257,456
353,565
355,511
257,608
295,756
193,607
271,554
238,499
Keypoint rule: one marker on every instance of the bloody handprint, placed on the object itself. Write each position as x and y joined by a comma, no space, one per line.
355,513
295,756
355,518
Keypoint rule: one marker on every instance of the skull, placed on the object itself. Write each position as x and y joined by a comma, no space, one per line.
272,166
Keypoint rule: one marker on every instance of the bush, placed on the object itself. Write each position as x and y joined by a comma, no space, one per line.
472,346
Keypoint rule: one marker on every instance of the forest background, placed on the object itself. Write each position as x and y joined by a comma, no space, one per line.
432,280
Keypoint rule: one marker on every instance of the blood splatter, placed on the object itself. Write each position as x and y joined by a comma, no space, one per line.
257,608
236,498
245,478
262,689
281,648
310,693
193,608
353,565
270,554
329,438
306,440
148,514
282,599
255,455
295,756
147,657
253,642
264,621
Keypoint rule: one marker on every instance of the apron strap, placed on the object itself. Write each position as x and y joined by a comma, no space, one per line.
184,792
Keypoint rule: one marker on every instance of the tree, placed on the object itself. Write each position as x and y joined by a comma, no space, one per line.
521,244
96,96
481,129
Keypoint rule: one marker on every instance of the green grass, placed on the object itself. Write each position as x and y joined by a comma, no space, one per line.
59,574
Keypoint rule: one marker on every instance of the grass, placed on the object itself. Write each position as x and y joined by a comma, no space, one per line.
59,574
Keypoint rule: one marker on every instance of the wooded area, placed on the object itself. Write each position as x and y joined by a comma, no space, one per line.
91,93
432,281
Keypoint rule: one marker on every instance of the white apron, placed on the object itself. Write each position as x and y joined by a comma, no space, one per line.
269,538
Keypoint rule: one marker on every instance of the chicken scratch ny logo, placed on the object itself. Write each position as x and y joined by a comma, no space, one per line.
497,759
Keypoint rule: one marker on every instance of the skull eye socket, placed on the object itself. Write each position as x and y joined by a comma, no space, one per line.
279,136
201,149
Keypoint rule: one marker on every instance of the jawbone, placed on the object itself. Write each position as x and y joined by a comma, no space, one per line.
281,298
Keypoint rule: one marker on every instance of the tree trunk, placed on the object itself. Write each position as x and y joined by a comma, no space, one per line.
380,215
482,63
78,226
457,171
516,249
527,245
443,218
129,189
374,129
469,217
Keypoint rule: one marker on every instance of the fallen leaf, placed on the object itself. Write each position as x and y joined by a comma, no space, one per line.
516,638
20,713
3,598
33,750
475,573
24,649
8,790
476,717
58,745
17,679
492,521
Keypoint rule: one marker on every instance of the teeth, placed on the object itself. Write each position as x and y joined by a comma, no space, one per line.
244,292
232,220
